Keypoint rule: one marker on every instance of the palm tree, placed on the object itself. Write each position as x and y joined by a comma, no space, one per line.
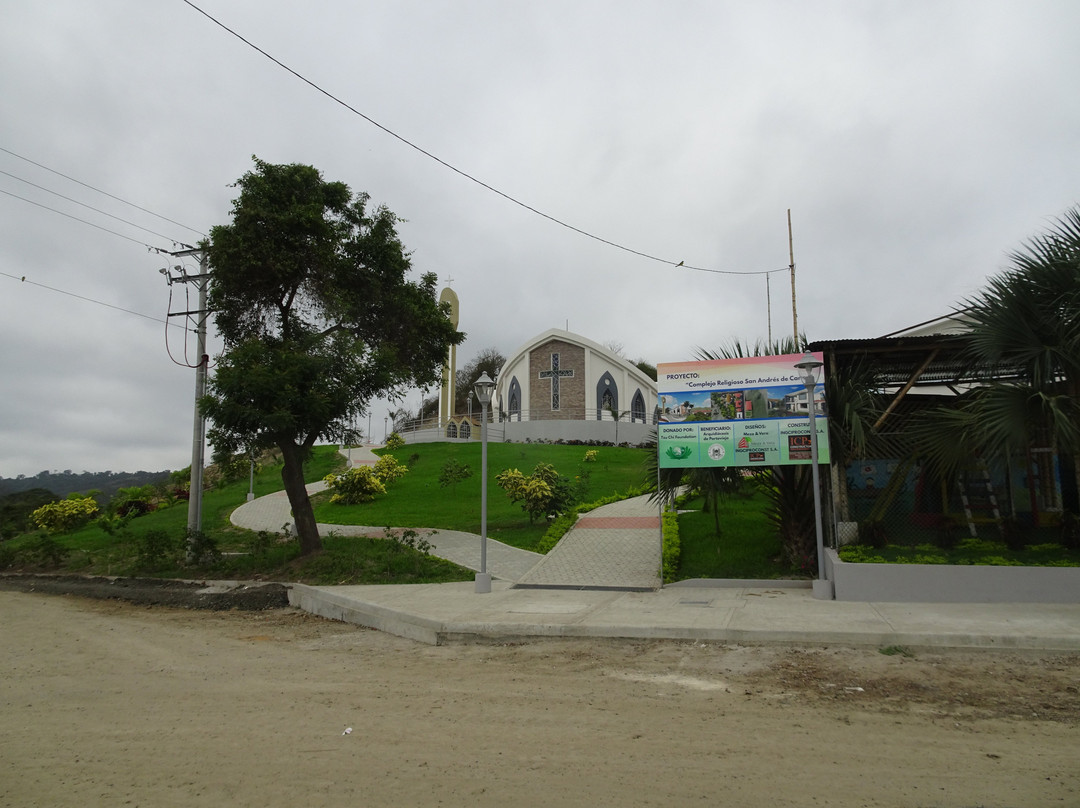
1025,333
616,416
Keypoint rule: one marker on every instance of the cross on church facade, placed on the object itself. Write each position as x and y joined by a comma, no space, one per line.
555,374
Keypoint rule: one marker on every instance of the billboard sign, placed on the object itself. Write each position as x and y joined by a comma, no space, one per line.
751,411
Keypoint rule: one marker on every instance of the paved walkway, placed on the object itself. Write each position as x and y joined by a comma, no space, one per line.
616,546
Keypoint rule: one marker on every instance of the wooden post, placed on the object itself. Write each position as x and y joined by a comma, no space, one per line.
791,267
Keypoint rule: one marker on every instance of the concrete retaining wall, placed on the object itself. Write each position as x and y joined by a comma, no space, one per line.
943,583
522,431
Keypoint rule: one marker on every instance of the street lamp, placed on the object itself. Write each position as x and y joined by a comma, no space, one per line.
484,387
808,365
472,394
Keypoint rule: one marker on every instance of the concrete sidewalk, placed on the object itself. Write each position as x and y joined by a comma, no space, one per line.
742,612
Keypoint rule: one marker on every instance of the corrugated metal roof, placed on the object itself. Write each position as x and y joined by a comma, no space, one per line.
895,360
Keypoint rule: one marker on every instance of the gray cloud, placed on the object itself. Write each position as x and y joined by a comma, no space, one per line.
915,144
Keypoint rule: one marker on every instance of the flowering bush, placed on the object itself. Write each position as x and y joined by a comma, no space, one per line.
354,486
591,455
388,469
395,441
67,514
542,493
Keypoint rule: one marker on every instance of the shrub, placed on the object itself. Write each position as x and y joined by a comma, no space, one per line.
67,514
155,549
672,548
395,441
859,554
202,548
354,486
591,456
453,472
540,494
388,469
132,502
47,551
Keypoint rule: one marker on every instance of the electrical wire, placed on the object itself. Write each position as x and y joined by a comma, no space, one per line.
150,247
168,348
460,172
89,207
105,193
24,279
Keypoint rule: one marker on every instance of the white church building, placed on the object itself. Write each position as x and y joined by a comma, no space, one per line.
563,386
558,386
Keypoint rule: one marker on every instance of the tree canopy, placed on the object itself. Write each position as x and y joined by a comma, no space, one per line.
310,291
1025,331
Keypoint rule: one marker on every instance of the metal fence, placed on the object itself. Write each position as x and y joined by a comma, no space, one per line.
897,501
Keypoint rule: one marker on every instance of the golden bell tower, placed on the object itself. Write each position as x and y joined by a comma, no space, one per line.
449,374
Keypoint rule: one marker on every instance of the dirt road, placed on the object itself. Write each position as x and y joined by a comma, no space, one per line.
114,704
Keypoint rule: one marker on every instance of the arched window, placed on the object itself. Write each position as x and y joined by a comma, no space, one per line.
515,399
465,430
637,407
607,396
451,430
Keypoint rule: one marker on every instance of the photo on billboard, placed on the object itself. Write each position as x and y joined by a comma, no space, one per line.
743,412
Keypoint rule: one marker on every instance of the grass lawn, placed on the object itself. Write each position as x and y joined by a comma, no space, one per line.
93,551
418,499
747,547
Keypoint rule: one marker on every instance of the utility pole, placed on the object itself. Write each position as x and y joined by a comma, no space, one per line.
198,439
791,266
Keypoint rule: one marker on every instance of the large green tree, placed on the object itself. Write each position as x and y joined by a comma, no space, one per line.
311,293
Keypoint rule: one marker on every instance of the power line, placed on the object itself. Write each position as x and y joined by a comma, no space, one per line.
460,172
89,207
150,247
24,279
105,193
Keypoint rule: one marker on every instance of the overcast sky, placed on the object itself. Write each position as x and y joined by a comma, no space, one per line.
915,143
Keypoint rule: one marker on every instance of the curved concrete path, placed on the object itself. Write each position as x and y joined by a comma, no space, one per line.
616,546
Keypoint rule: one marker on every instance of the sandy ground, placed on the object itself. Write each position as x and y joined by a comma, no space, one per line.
107,703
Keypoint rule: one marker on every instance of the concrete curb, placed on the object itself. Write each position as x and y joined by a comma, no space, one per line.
445,613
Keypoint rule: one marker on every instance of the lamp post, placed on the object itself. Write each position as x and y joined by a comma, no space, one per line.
484,387
471,395
809,364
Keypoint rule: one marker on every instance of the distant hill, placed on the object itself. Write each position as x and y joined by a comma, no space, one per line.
67,482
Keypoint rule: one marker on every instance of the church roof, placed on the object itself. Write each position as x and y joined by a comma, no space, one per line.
584,342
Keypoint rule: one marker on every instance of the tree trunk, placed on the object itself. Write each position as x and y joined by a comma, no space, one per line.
292,474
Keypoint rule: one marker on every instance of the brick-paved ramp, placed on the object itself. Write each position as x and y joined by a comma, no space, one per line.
616,546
